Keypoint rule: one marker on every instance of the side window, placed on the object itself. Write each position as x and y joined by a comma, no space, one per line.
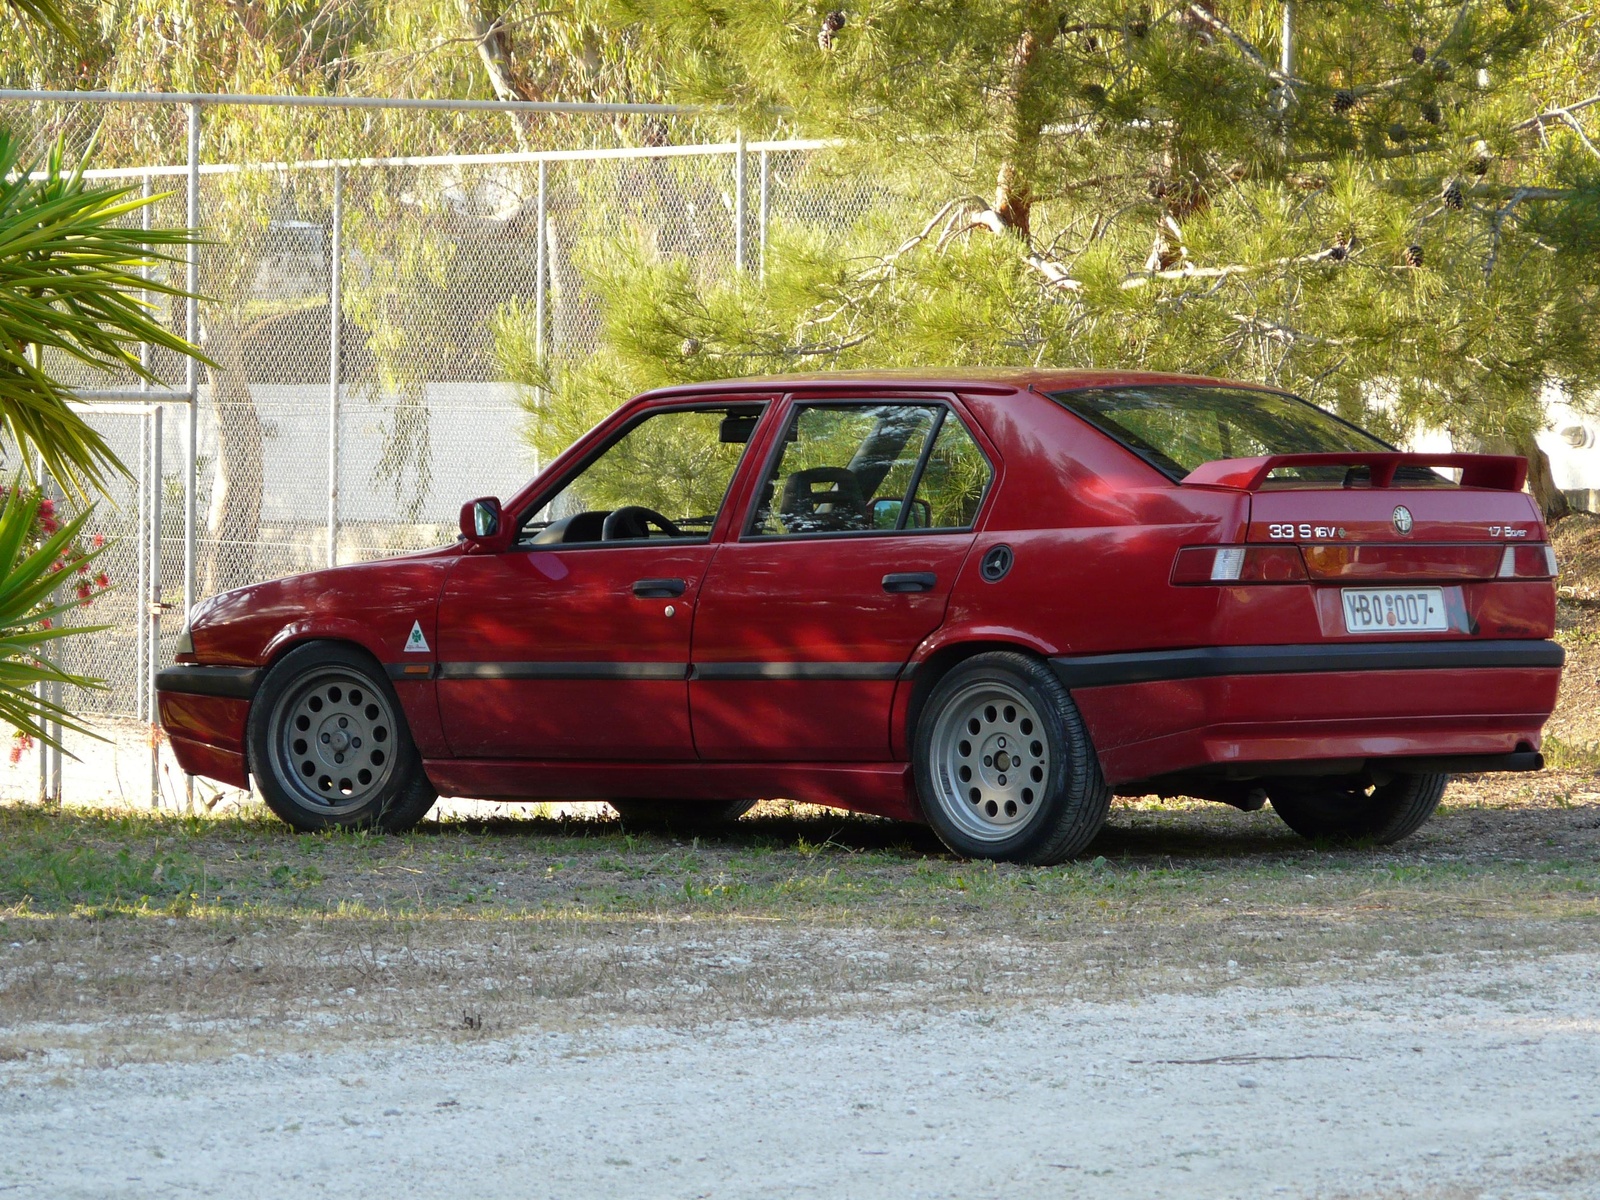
851,468
664,477
955,479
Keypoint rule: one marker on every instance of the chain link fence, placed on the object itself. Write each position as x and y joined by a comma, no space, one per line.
356,257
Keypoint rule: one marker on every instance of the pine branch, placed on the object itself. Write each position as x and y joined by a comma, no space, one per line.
1190,271
1253,56
1554,114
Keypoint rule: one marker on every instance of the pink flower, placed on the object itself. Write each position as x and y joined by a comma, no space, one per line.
98,540
102,580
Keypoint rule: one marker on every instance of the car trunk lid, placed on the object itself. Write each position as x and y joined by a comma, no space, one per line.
1379,517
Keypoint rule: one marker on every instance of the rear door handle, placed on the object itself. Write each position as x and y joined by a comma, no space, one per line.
657,589
910,581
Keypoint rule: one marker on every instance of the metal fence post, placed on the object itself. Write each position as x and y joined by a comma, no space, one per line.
766,187
192,382
335,309
739,203
140,659
152,605
541,268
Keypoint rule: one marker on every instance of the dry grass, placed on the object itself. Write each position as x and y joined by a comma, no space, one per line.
126,937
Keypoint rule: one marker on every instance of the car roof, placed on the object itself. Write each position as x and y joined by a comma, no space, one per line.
950,379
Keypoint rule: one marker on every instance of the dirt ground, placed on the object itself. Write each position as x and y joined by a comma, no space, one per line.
536,1002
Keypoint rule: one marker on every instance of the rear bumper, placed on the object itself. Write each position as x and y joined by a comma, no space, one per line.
1245,711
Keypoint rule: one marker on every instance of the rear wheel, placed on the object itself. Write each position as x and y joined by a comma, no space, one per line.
1003,763
1382,813
683,815
329,746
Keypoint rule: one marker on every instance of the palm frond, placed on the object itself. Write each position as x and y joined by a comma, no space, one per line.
72,282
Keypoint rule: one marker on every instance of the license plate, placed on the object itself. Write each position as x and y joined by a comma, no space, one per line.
1394,610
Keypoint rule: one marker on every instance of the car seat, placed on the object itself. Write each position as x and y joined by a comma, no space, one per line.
822,500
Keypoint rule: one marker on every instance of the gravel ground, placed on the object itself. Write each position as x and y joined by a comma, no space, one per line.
1438,1081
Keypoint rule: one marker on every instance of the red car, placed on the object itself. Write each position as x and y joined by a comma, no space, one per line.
988,600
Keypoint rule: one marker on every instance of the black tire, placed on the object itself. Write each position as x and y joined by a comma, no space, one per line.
323,701
1004,766
684,816
1383,814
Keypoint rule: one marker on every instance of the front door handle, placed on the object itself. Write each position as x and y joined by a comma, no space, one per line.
910,581
657,589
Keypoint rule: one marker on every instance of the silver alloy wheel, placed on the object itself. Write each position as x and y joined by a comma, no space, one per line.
332,740
990,760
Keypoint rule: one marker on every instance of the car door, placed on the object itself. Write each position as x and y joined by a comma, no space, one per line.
854,535
573,643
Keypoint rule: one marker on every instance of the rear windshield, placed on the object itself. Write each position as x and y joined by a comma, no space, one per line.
1176,427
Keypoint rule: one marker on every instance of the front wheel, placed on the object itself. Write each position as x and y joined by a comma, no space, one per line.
329,746
1003,763
1381,813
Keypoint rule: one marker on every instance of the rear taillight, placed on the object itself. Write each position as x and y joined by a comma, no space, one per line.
1527,562
1239,564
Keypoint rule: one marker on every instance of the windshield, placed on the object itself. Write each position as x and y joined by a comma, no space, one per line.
1176,427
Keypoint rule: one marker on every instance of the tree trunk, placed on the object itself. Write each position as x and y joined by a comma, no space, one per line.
233,525
1022,119
494,51
1542,482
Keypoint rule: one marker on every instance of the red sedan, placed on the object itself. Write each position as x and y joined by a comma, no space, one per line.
989,601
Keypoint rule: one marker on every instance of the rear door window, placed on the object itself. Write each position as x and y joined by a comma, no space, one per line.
871,468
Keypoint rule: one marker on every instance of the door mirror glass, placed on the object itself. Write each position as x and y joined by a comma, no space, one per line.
886,514
480,519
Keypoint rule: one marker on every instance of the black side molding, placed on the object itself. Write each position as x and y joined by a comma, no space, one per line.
1101,670
230,683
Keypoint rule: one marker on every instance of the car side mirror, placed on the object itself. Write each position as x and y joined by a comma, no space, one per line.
886,514
480,519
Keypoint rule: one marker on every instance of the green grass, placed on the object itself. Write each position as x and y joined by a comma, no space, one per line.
1158,862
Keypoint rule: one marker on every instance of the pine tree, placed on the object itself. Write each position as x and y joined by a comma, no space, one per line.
1397,213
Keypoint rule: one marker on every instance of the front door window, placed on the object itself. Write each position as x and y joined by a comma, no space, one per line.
664,477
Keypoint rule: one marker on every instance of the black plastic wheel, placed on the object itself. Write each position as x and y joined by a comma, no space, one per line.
681,815
1004,766
1344,811
329,746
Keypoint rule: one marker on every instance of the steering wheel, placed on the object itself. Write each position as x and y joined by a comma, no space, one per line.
633,521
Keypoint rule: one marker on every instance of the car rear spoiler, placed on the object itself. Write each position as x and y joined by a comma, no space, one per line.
1500,472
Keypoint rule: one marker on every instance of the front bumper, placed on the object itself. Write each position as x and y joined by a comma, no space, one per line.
203,710
1244,711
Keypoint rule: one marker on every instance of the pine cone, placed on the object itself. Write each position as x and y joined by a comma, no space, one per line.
1479,165
831,24
1452,195
1431,114
1397,133
1094,93
1413,256
1419,55
1091,43
1343,101
690,347
1139,28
